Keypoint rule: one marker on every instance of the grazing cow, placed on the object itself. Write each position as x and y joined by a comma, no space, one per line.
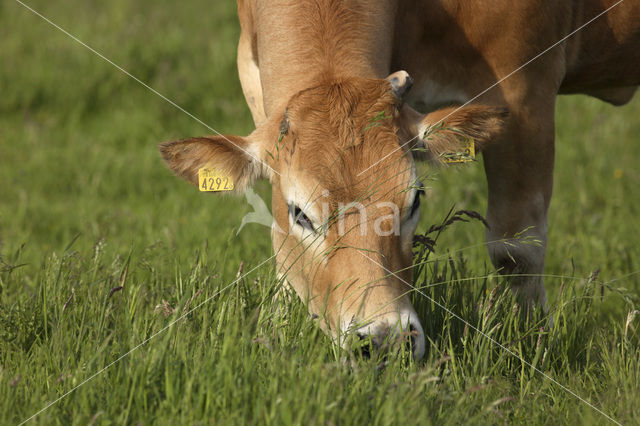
332,122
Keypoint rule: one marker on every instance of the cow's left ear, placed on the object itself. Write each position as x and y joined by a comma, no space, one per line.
240,159
228,155
447,131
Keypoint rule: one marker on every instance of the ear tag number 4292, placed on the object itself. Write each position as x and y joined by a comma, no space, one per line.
467,154
212,180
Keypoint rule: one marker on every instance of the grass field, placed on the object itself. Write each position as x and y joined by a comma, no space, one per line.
102,248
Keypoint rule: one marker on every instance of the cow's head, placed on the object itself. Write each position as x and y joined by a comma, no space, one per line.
346,196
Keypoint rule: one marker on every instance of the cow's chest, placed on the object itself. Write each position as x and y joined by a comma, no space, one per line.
429,95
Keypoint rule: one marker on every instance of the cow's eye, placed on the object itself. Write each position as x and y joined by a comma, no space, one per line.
299,218
416,201
416,205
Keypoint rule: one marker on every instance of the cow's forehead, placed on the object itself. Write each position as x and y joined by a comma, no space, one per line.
346,174
342,107
336,132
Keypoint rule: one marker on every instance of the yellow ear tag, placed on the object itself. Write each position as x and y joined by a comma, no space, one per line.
467,154
212,180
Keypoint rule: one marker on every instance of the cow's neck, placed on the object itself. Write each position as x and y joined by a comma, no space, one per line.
302,43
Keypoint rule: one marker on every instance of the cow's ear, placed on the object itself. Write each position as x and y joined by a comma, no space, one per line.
445,133
239,159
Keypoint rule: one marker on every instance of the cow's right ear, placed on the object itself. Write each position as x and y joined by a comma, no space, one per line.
448,130
236,157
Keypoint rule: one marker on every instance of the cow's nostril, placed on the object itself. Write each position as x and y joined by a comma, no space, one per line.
383,340
410,342
366,345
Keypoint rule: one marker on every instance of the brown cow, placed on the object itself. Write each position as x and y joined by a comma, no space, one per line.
331,127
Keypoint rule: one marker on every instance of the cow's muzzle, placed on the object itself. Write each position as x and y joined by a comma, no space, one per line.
389,332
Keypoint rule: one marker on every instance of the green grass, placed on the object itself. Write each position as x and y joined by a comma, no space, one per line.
86,207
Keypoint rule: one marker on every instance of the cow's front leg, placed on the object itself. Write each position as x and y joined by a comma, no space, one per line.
520,175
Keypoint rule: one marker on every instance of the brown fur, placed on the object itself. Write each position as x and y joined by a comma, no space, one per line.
187,156
324,63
